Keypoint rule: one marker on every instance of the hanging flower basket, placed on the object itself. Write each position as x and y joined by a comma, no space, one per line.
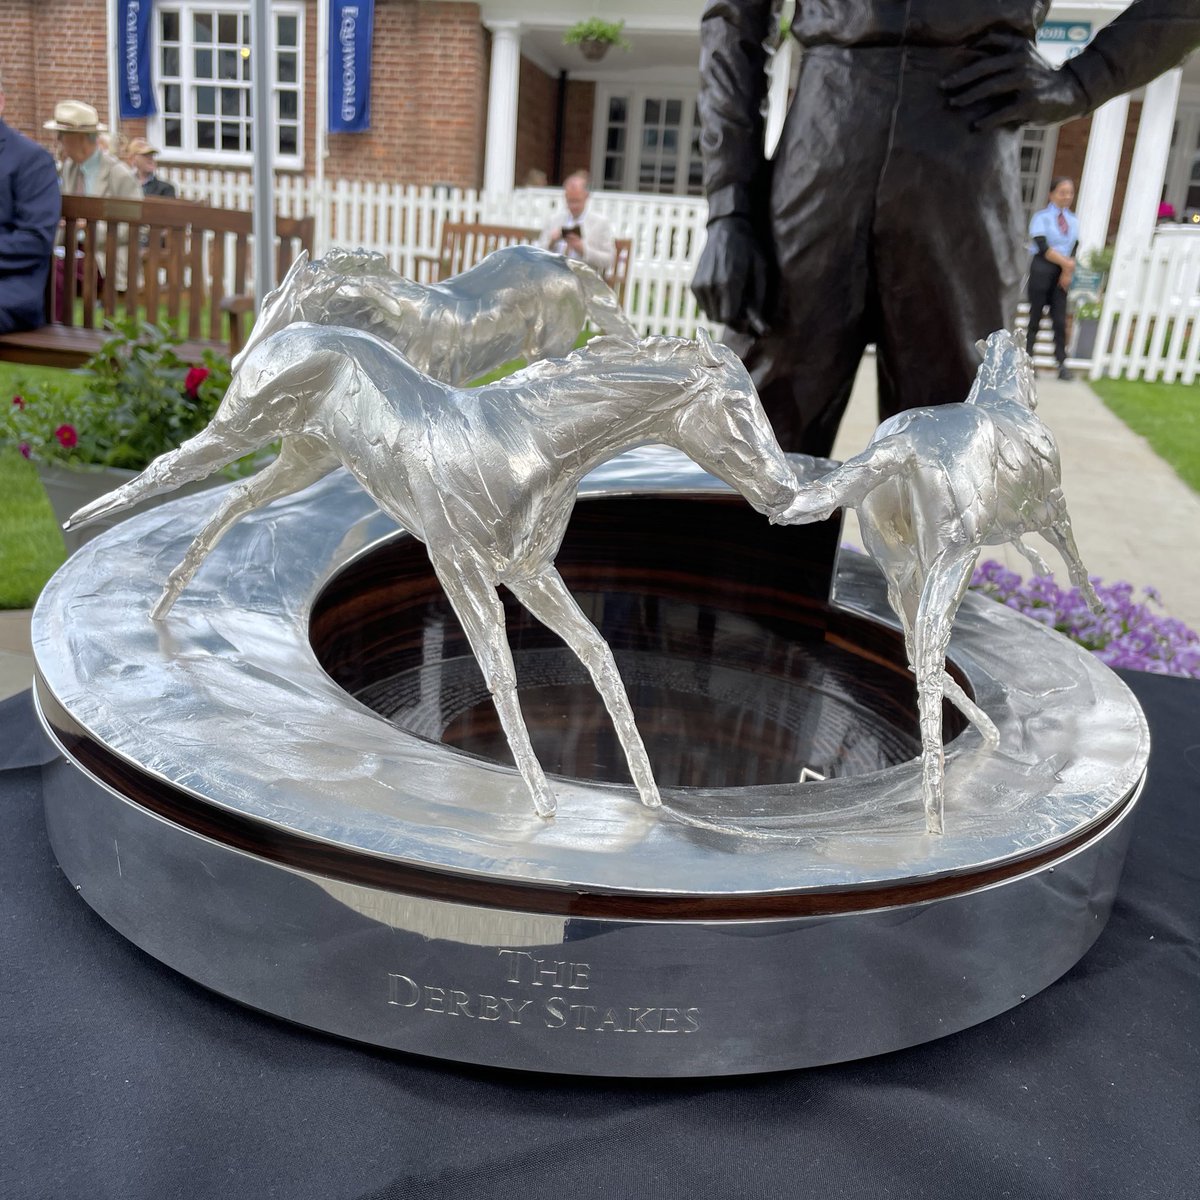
594,37
593,49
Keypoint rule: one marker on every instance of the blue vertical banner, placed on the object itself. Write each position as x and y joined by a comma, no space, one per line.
350,26
133,39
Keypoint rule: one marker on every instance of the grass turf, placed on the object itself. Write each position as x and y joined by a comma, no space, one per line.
31,548
1167,415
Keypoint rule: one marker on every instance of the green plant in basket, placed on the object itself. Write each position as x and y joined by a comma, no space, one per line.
139,400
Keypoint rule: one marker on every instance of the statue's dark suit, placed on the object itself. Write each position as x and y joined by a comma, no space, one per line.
892,211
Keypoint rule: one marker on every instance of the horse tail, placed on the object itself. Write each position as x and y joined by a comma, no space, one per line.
603,308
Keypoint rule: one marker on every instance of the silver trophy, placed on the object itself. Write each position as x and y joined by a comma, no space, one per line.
296,791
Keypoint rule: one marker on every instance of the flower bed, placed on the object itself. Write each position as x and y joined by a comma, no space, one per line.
1132,632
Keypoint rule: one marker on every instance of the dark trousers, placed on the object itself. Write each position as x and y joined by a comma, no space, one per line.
1044,293
893,223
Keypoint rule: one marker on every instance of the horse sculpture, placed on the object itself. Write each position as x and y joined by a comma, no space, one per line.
519,301
485,477
934,486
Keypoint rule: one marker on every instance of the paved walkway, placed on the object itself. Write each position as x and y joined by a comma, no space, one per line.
1134,519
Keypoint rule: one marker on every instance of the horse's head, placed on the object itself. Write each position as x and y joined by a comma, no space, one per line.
725,429
280,307
1006,374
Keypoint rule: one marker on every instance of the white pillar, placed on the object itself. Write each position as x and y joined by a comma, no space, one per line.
500,152
112,62
1099,179
780,71
1149,166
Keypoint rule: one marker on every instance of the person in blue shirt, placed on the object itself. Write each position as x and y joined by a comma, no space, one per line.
1054,234
30,206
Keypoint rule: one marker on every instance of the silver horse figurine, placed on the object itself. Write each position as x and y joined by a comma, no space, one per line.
934,486
520,301
485,477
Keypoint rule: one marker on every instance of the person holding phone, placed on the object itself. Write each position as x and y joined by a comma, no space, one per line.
577,231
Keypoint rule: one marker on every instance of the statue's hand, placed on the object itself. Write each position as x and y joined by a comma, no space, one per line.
1015,86
732,278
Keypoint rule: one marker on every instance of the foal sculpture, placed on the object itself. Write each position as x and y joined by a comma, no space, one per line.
934,486
520,301
486,477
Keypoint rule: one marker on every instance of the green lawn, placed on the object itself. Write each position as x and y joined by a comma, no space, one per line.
31,548
1167,415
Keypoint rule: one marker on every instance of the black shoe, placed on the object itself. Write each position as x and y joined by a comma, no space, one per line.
1066,374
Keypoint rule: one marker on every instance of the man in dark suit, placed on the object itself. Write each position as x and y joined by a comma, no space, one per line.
30,206
891,212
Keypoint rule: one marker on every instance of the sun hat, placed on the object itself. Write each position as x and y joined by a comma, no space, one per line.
141,146
73,116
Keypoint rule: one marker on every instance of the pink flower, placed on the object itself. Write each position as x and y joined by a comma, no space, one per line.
195,377
25,450
19,401
67,437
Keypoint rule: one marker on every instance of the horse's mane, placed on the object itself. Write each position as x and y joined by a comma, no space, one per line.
339,261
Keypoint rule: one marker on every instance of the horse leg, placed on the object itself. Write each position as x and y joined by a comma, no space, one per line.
473,597
301,462
940,596
1059,532
547,597
1035,560
197,458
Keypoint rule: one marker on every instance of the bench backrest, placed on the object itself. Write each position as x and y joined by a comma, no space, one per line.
181,260
465,244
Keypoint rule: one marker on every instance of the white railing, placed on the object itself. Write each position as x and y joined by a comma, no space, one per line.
1150,322
404,223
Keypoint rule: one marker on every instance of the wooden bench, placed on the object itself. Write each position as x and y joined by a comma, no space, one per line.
464,244
176,255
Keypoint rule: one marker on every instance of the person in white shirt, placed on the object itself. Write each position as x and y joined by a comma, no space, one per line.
578,232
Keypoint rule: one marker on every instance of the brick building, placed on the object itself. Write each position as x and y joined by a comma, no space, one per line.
479,94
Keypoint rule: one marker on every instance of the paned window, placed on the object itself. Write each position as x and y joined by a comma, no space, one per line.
1038,143
202,77
647,140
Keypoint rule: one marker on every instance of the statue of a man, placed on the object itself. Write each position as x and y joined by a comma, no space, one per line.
891,212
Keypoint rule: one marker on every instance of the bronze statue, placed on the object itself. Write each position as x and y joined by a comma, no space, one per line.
891,212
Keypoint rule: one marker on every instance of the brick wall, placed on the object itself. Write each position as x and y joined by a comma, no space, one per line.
1072,149
577,126
428,98
49,51
537,115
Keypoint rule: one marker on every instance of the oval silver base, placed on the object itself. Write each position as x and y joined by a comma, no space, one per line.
229,808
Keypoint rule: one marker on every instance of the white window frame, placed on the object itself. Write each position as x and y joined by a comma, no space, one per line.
1045,168
190,152
636,95
1185,153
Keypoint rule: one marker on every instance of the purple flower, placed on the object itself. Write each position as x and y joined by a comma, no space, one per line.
1129,633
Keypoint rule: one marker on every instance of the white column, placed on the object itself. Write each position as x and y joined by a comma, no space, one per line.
780,72
1100,165
500,152
1149,166
112,62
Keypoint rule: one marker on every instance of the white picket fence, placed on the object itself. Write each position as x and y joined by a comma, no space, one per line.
404,223
1150,322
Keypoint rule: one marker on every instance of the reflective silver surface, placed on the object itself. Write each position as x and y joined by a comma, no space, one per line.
486,477
934,487
536,992
227,700
520,301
